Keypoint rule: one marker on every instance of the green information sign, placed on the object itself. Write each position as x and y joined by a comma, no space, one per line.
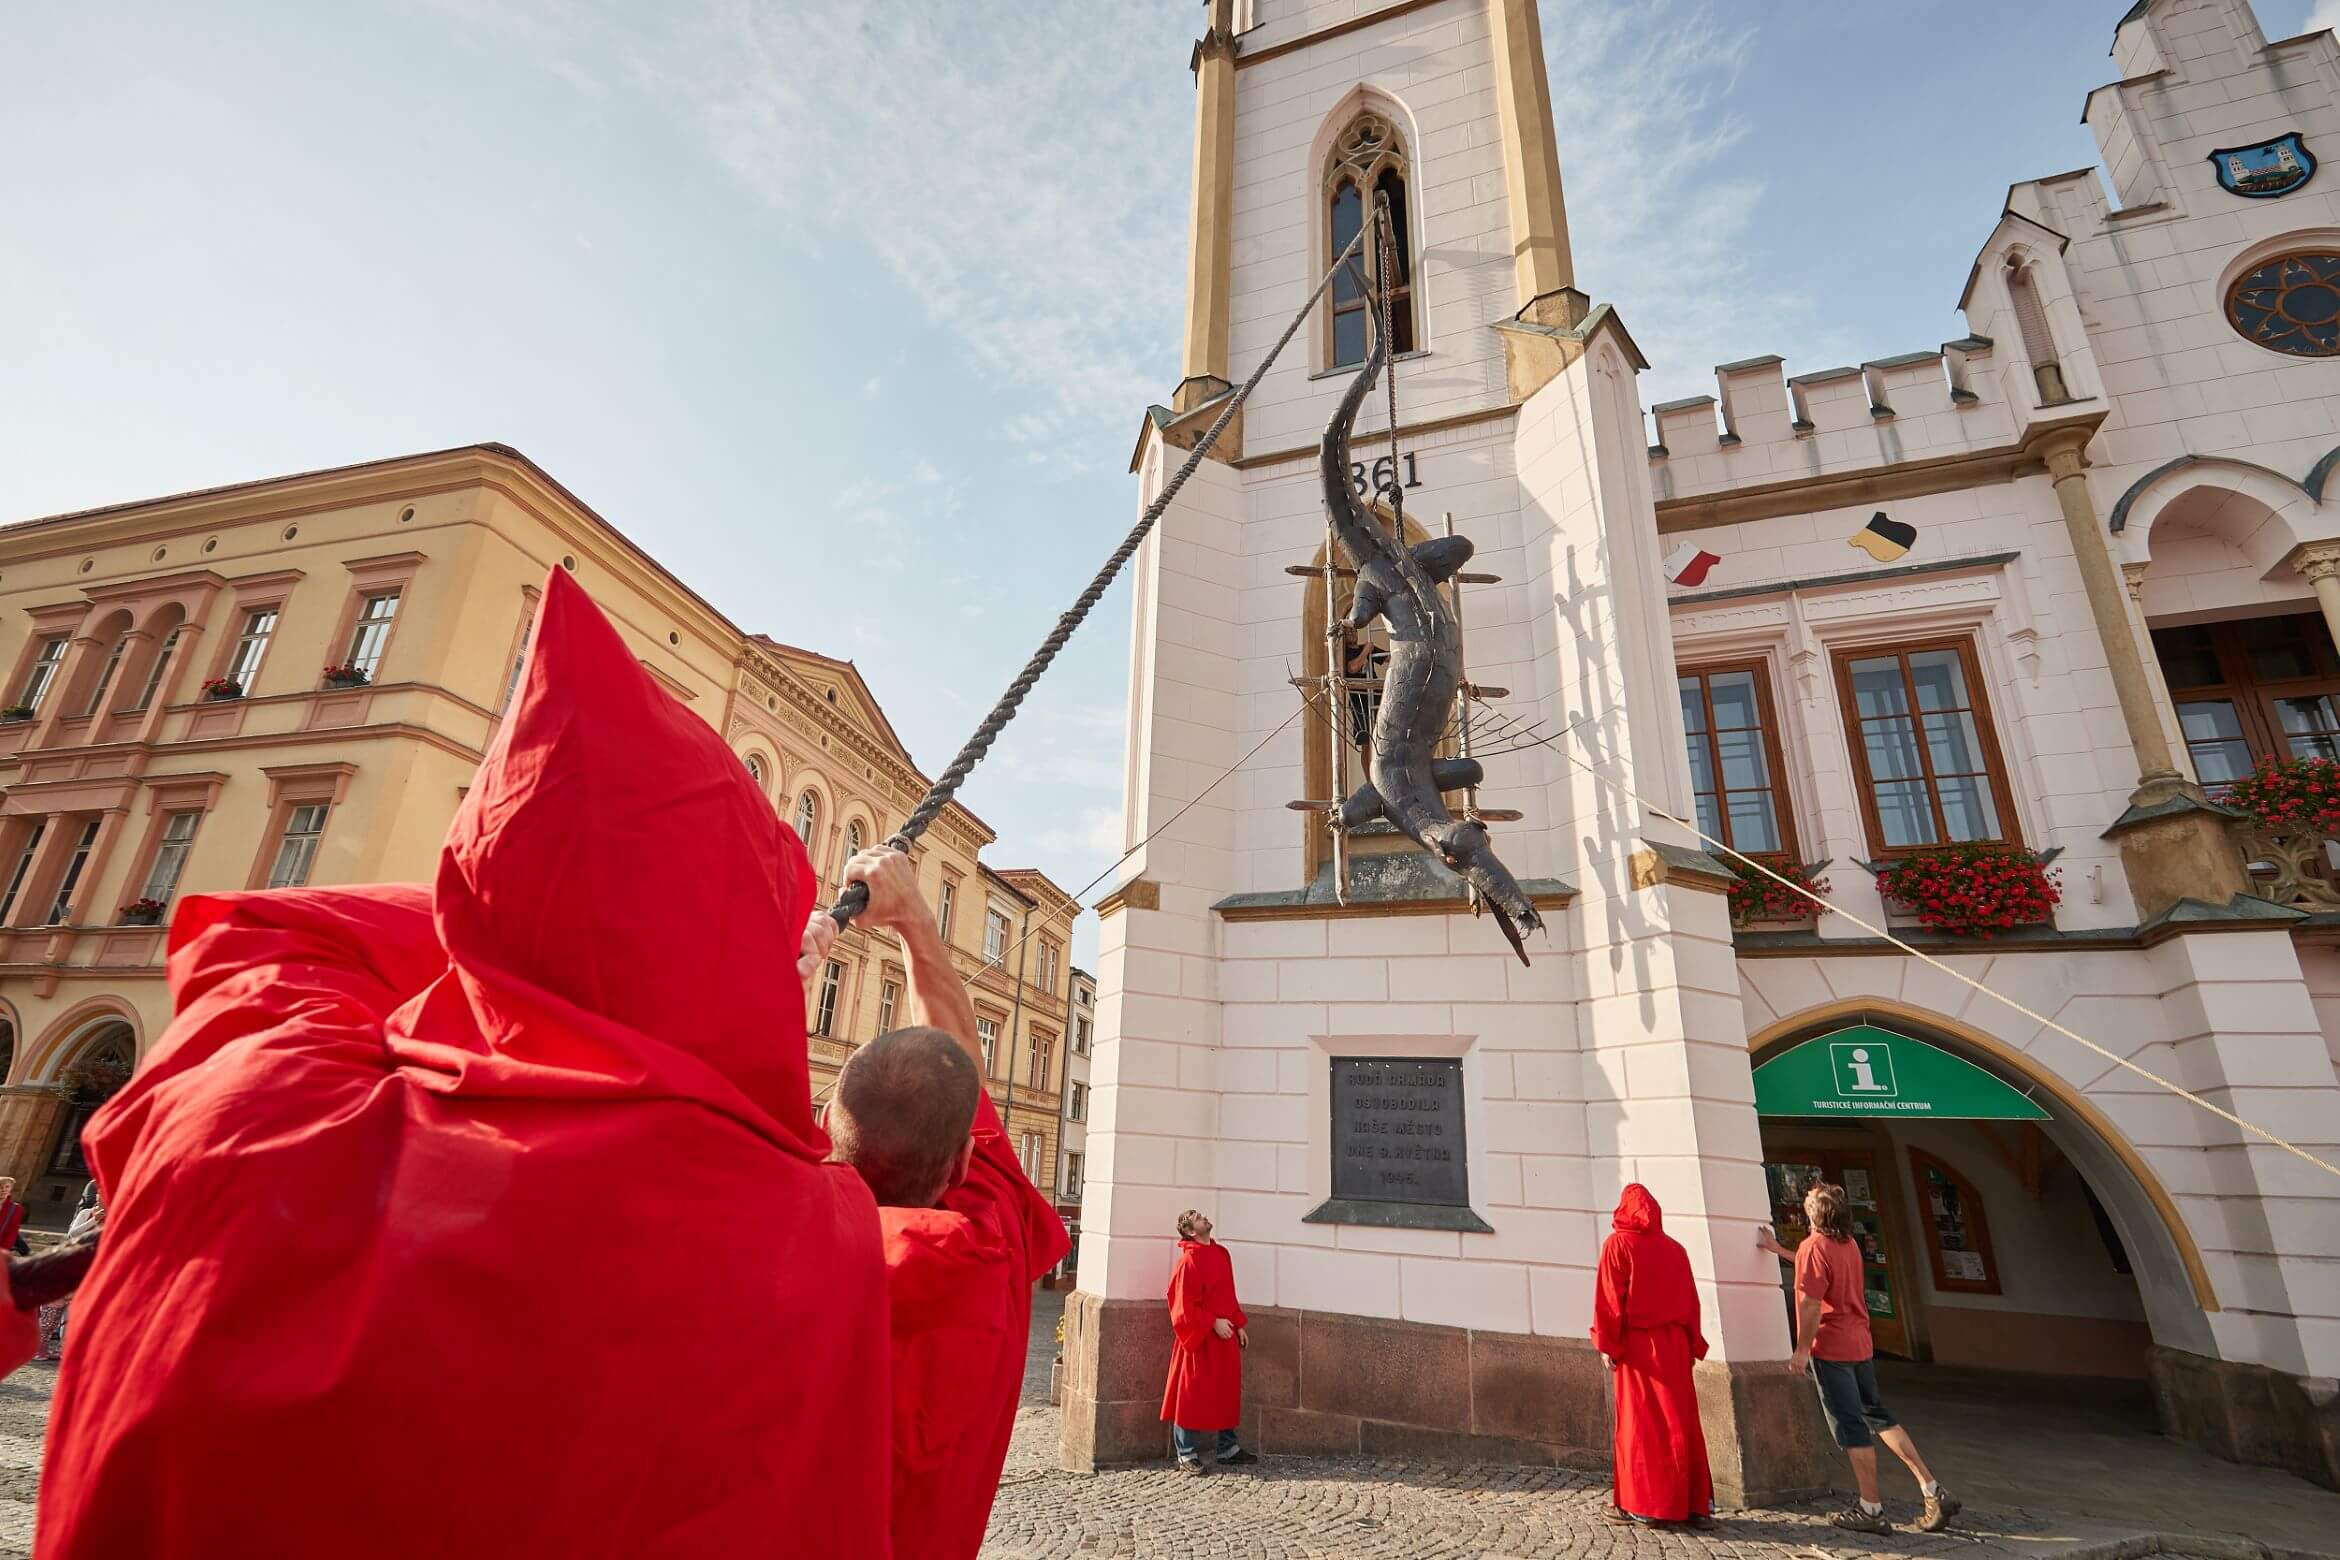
1867,1071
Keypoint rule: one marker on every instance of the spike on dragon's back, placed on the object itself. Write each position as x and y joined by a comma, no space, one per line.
1399,584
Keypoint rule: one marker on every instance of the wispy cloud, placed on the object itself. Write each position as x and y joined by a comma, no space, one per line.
2326,14
1641,94
1021,172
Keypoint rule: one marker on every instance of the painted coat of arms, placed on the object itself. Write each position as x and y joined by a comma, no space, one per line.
2268,169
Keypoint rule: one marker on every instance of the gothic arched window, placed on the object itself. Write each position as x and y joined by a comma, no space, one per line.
1368,165
808,812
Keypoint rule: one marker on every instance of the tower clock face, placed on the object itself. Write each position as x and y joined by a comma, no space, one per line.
2290,305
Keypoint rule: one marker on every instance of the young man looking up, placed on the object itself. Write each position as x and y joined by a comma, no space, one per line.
1834,1344
966,1233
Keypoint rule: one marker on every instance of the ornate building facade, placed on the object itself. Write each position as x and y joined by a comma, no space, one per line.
290,682
2017,616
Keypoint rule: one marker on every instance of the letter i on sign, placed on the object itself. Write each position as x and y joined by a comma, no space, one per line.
1863,1070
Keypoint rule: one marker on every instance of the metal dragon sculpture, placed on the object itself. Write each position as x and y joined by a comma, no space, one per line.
1406,781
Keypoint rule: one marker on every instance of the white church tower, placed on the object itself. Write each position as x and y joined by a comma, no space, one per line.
1248,1018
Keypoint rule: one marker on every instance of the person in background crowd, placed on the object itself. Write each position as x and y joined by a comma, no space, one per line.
1833,1343
1645,1322
966,1232
1209,1333
11,1219
88,1217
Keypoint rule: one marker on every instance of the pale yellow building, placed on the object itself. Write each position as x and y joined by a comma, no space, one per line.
291,681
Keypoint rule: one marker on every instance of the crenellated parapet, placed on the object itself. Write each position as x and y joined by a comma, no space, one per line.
1764,425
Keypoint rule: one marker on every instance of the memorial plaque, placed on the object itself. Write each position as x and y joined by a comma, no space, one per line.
1397,1130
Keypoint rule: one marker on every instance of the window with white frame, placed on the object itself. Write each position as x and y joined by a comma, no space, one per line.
1072,1177
995,935
1034,1146
1081,1036
75,865
296,850
43,671
755,769
371,634
24,863
889,995
1043,1055
825,1012
159,670
808,813
170,857
97,692
1048,957
987,1035
1078,1109
520,664
251,646
943,908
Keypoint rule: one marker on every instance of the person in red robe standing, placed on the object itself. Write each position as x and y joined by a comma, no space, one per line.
1645,1320
966,1232
399,1257
1208,1333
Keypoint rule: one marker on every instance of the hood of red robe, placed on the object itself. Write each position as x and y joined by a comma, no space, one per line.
1638,1210
491,1219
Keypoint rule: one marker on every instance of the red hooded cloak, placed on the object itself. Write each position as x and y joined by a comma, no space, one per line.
491,1220
959,1279
1205,1390
1645,1318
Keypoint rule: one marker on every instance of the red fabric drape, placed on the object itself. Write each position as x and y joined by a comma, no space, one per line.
959,1278
1645,1318
1205,1390
490,1219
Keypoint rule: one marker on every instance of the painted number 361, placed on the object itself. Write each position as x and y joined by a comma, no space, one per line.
1381,474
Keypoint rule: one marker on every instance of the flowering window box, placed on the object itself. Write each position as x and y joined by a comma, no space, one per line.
346,677
1758,899
143,912
223,688
1972,890
2290,817
17,712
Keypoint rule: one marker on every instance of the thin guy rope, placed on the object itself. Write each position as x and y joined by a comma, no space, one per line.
849,903
1962,978
1156,833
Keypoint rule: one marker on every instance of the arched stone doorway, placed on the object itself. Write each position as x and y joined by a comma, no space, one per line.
81,1062
2034,1267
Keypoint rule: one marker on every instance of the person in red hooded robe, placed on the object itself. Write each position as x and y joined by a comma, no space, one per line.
1208,1334
391,1265
967,1234
1645,1319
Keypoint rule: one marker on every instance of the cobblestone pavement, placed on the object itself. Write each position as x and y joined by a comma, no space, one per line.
24,1416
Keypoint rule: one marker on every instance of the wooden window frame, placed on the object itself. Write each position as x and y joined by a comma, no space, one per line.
1986,733
2252,698
1971,1203
1783,802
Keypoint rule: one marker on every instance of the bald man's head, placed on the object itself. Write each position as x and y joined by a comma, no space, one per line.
902,1115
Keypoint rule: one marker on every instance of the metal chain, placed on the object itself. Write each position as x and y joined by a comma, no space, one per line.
938,796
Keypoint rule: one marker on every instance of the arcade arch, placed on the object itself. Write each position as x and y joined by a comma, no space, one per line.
2076,1260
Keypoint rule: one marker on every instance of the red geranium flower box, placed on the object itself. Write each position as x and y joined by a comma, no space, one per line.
2290,796
1972,890
1756,896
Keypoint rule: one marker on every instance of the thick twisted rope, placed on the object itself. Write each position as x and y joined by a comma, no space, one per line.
938,796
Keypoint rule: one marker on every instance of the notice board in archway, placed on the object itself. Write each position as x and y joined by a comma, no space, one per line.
1867,1071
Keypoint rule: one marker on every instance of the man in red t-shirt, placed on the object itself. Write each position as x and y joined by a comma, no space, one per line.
966,1232
1833,1343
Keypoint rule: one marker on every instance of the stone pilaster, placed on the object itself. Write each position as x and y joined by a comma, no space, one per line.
2319,564
2174,843
1210,262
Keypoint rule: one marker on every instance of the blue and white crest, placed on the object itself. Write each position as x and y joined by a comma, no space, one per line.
2266,170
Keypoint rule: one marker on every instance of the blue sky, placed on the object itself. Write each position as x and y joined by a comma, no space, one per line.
847,312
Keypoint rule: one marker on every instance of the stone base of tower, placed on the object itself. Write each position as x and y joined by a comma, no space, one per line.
1325,1384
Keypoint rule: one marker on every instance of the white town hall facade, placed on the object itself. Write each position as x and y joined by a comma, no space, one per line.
2041,591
